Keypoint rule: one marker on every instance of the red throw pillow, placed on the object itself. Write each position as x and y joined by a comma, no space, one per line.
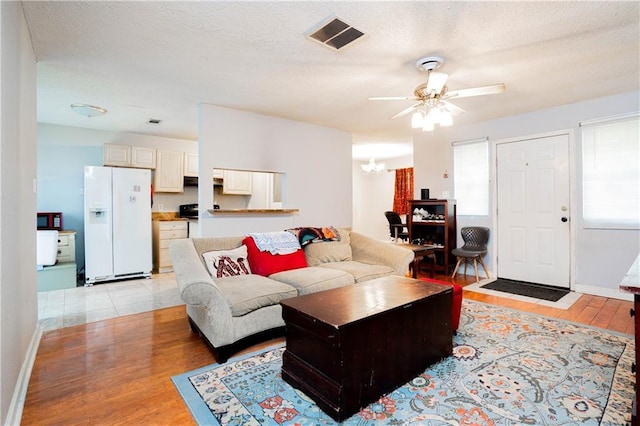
265,263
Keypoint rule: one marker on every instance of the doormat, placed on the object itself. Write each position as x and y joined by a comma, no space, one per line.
537,291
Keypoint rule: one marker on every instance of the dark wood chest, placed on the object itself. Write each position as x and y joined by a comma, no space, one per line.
349,346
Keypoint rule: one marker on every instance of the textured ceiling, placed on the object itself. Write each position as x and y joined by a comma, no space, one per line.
143,60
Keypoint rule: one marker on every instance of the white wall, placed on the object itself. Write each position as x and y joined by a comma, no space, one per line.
315,159
602,256
373,195
19,333
64,151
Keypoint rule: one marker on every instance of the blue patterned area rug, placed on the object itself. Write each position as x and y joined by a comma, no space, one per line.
507,368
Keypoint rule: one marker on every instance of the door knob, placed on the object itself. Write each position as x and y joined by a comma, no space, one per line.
564,219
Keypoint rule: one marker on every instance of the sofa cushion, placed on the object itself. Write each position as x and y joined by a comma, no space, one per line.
265,263
314,279
360,271
227,263
247,293
320,252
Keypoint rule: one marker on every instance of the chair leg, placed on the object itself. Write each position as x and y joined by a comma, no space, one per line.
484,267
455,270
475,268
466,262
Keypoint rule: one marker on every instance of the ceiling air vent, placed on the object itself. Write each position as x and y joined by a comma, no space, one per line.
334,33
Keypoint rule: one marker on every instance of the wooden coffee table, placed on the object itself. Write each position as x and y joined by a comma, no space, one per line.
348,346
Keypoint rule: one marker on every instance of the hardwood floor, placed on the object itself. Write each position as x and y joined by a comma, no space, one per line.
118,371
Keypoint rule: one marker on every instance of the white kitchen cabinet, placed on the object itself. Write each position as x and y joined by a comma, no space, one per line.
164,233
218,174
190,164
66,246
236,182
169,176
128,156
143,158
116,155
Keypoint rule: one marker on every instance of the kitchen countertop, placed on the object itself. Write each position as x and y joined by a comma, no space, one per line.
166,216
631,281
252,211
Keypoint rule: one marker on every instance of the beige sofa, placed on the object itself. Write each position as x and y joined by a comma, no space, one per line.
235,312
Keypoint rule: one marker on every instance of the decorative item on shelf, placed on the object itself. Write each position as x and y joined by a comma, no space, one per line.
372,167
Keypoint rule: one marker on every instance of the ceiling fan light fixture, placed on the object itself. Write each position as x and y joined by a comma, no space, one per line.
427,125
446,119
88,110
435,115
417,119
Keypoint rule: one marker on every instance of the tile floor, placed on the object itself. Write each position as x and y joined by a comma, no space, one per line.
80,305
73,306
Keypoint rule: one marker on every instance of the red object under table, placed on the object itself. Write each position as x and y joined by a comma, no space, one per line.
456,305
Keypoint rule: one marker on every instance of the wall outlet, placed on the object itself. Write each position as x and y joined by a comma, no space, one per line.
161,207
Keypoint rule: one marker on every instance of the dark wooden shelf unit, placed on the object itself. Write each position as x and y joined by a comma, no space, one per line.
440,230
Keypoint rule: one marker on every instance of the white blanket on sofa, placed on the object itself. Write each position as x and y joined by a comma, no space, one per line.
279,242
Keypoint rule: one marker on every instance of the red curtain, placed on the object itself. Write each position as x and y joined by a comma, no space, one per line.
403,190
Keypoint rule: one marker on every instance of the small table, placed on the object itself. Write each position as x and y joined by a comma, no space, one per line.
348,346
421,252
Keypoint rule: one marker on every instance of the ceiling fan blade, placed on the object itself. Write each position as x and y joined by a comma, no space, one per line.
436,82
393,98
407,111
453,109
476,91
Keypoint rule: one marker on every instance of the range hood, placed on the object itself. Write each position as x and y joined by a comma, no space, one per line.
193,181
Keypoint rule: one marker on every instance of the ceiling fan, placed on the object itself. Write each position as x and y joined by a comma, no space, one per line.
432,106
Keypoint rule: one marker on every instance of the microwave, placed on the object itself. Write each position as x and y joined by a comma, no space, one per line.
48,220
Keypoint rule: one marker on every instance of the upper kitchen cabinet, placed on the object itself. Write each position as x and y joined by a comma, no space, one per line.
144,158
190,164
169,175
129,156
236,182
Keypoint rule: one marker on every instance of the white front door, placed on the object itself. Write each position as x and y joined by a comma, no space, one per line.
533,210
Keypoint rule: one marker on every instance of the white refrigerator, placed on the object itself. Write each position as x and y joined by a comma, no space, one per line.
117,223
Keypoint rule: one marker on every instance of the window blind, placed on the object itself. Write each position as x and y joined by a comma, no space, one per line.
471,176
611,172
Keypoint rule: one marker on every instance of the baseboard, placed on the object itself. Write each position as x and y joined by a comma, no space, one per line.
16,406
612,293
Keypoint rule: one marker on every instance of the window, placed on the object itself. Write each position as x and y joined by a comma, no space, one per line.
471,177
611,173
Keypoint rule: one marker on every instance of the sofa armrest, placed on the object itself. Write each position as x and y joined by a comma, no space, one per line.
195,285
369,250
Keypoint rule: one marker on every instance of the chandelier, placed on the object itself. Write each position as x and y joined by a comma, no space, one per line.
434,112
372,167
